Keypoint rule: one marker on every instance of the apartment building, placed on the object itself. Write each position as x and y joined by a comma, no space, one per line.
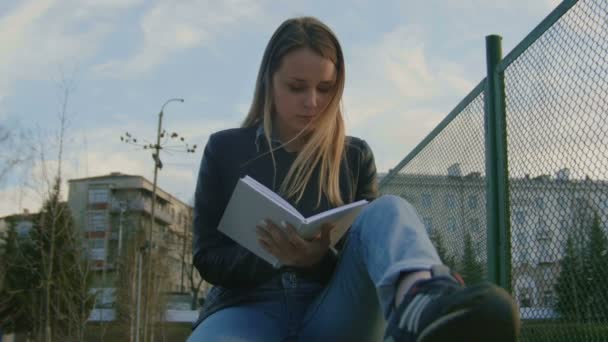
111,209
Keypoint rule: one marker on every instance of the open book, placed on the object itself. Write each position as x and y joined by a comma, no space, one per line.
251,202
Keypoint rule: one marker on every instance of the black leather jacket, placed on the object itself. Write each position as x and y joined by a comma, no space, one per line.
232,154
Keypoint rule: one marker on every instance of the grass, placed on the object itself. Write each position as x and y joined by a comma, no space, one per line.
557,331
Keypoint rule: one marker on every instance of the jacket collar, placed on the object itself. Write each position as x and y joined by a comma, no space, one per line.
260,138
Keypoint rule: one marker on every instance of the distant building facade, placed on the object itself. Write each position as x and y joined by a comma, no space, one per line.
111,209
22,223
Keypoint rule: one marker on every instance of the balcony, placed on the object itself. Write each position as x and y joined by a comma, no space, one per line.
143,205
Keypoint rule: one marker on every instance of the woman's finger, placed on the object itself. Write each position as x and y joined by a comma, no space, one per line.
292,236
326,228
263,232
276,232
267,246
326,233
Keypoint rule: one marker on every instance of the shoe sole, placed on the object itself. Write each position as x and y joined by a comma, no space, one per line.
493,317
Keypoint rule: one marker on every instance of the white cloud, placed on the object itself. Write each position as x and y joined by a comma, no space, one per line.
96,5
14,27
396,81
483,5
34,186
171,27
177,175
40,37
16,199
102,154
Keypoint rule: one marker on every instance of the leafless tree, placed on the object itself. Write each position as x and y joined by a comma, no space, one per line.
58,301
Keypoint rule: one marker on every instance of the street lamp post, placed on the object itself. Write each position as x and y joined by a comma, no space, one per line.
146,248
157,165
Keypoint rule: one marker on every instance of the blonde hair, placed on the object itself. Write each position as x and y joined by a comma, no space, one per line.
324,146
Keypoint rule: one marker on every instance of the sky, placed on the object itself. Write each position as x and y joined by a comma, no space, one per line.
408,64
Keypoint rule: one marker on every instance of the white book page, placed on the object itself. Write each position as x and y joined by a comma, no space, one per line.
334,211
247,208
342,218
272,196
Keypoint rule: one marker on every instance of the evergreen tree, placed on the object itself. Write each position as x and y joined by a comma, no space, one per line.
20,288
65,273
46,285
570,285
595,260
444,254
471,269
582,285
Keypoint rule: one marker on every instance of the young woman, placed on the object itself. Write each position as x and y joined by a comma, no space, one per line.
384,279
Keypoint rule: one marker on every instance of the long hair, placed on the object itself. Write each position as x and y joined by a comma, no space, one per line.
324,146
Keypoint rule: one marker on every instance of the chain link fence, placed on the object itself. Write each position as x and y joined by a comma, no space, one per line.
557,125
556,115
445,182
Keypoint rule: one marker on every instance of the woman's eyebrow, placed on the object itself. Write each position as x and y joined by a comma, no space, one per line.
305,81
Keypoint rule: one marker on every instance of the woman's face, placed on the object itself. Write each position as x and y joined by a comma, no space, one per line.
302,88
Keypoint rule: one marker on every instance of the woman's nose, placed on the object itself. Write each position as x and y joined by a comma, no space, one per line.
311,99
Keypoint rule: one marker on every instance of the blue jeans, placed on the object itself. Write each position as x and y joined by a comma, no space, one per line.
386,240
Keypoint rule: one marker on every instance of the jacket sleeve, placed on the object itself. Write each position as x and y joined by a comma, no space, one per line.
367,182
220,260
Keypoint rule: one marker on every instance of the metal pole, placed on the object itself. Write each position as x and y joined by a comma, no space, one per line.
498,218
157,166
138,300
156,156
185,238
122,211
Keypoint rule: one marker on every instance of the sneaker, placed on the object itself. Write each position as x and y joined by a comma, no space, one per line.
442,309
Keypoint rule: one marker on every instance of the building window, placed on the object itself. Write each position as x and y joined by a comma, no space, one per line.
520,217
548,274
450,201
543,233
544,251
98,195
540,203
96,243
98,221
97,250
563,226
604,206
473,202
548,298
522,248
426,200
409,197
23,228
451,224
428,223
475,226
526,297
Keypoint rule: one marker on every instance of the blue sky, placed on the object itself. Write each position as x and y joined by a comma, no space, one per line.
408,64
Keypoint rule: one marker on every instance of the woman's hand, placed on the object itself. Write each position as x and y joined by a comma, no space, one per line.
291,250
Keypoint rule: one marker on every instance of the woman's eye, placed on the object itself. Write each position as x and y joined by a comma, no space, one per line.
324,89
297,89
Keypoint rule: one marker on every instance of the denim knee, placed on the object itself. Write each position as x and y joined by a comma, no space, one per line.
381,208
390,202
387,205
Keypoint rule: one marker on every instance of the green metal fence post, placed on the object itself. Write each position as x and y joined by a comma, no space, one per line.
499,245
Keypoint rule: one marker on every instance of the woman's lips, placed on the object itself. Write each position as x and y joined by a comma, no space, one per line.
305,117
